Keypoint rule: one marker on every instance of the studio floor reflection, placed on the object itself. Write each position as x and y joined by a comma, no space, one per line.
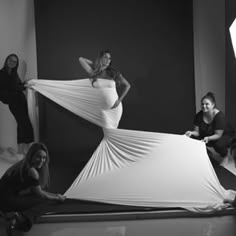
204,226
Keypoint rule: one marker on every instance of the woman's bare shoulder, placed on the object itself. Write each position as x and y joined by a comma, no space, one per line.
33,173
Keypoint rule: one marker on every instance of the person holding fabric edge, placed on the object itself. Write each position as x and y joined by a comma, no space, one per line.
123,148
22,189
211,126
11,93
101,69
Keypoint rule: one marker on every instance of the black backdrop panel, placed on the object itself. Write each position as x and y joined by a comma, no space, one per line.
151,44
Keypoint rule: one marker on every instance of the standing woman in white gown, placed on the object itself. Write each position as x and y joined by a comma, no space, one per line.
103,75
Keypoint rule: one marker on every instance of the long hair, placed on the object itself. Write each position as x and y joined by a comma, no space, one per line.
211,97
26,164
44,176
14,70
98,67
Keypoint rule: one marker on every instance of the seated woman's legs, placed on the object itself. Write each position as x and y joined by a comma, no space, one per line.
220,147
28,208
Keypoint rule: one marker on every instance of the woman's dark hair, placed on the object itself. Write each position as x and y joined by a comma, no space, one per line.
211,97
98,67
26,163
44,177
14,70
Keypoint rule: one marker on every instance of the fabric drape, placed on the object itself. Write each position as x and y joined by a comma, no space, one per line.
136,167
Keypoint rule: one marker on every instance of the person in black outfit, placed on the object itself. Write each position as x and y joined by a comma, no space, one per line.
22,189
11,93
211,126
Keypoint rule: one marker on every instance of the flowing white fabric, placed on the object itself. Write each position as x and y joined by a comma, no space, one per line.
232,30
79,97
136,167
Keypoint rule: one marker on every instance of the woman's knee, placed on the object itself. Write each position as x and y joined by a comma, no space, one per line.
221,148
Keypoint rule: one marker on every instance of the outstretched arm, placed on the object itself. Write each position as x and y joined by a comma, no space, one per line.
125,88
217,135
47,195
37,190
86,64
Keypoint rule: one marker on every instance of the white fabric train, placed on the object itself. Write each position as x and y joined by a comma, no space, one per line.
135,167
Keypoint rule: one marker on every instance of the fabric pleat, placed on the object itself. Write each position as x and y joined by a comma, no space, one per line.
132,167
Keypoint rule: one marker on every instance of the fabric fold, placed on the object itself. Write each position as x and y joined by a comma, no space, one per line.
136,167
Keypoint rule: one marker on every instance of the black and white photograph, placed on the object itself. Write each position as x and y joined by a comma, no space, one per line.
117,118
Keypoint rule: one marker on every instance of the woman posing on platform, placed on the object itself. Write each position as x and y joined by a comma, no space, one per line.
22,189
211,126
11,93
101,69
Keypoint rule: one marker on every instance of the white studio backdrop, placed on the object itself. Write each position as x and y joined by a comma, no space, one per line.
17,26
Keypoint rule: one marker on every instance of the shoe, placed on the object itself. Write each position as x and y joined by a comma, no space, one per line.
11,227
17,223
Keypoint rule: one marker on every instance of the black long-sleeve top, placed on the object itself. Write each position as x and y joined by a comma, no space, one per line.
9,86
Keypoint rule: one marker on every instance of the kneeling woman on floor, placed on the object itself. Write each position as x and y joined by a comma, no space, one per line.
212,127
22,189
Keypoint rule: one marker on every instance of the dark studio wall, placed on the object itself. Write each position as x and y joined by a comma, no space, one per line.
151,44
230,15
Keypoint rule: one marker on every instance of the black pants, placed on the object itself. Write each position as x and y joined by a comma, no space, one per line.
30,207
221,145
19,108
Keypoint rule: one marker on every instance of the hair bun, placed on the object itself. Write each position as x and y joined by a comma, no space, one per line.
210,94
